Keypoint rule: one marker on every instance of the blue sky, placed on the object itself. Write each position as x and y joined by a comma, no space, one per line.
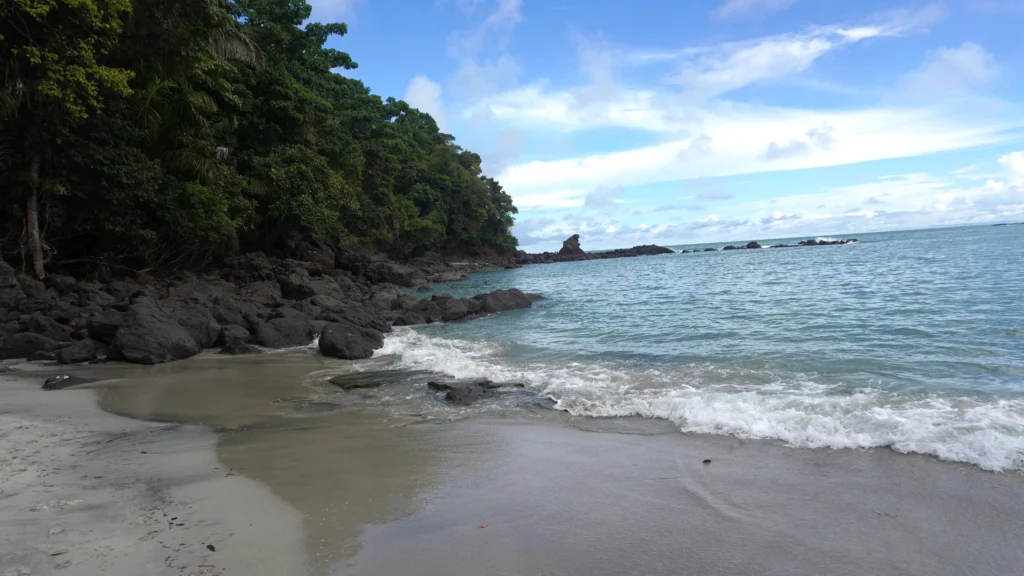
721,120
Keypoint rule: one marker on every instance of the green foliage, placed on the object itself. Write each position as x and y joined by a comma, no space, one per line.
175,133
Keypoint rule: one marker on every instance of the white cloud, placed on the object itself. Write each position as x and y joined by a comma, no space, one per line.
951,70
496,28
333,10
742,133
735,8
1013,164
478,79
425,94
604,196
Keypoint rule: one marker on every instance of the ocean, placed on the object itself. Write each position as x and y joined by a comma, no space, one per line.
907,340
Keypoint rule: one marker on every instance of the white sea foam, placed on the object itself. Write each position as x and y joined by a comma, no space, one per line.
985,431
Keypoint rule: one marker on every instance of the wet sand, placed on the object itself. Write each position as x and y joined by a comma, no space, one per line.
385,492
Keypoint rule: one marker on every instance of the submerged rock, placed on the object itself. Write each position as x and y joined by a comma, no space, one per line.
63,381
356,381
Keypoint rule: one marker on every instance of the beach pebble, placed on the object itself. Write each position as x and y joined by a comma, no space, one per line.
707,460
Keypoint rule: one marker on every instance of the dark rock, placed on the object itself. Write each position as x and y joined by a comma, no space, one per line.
285,328
534,297
466,392
237,348
405,302
449,276
10,328
730,247
11,293
195,313
81,351
25,344
296,285
150,336
63,381
383,296
502,300
233,334
711,249
232,310
423,288
452,310
318,253
81,334
44,326
752,245
349,342
409,319
41,356
440,296
62,284
707,461
103,325
264,293
358,315
571,247
356,381
810,243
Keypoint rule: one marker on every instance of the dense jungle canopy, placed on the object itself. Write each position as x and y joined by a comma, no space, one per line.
156,134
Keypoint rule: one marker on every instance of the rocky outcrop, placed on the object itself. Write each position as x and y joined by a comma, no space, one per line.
348,341
572,252
571,247
467,392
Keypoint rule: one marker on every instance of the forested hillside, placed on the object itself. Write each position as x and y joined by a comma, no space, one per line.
150,134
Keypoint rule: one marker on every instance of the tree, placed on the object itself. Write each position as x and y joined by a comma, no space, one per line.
52,79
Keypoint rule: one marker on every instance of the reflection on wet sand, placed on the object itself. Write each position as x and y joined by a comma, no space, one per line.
342,470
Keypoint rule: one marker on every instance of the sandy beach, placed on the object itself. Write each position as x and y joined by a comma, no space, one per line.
288,489
86,492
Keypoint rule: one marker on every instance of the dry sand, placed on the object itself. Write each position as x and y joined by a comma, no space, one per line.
86,492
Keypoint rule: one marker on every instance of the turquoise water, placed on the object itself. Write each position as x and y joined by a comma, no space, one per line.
913,340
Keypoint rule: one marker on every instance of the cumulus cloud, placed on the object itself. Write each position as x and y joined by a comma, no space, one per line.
815,138
425,94
1013,164
736,8
951,70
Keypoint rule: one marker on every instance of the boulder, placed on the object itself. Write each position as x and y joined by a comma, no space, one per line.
383,296
752,245
233,310
11,293
62,284
296,285
195,313
103,326
45,326
502,300
284,329
349,342
9,328
453,310
440,296
26,344
264,293
233,334
357,315
405,301
81,351
149,335
409,318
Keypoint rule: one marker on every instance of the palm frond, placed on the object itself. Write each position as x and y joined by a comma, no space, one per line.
233,44
195,162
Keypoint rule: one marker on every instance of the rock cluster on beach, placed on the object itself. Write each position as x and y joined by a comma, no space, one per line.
252,302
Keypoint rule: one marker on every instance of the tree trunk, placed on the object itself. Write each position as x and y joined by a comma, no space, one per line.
35,244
